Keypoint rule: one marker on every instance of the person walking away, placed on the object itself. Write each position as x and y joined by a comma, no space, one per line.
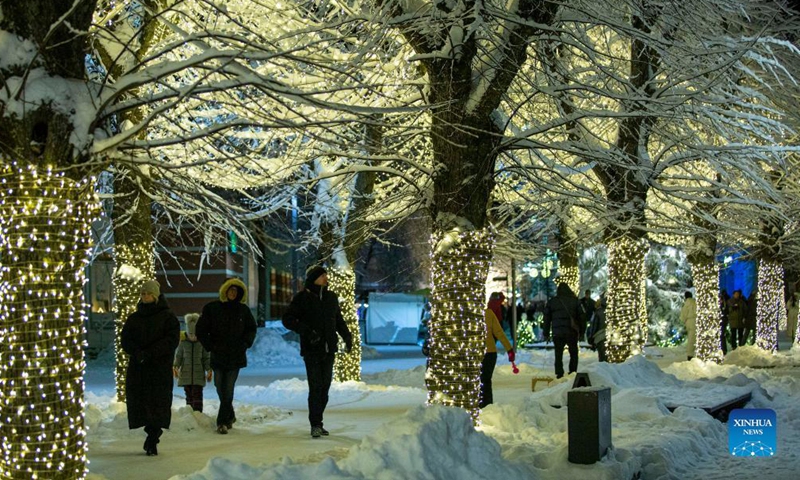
689,319
192,364
596,335
563,314
149,337
314,313
723,327
496,305
494,332
751,318
737,309
226,329
792,311
588,306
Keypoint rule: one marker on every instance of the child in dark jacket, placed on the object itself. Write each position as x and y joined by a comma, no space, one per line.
192,365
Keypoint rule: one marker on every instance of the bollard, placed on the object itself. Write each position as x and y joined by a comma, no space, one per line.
588,424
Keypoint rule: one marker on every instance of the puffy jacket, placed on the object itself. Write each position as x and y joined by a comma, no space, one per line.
737,312
149,336
494,332
560,310
227,328
315,314
193,360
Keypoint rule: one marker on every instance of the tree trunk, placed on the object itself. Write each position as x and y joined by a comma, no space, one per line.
45,223
626,274
457,327
343,283
568,271
133,256
705,275
771,305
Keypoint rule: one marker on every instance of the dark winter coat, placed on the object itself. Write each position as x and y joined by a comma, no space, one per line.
737,312
751,316
597,327
193,360
315,314
559,310
227,328
149,337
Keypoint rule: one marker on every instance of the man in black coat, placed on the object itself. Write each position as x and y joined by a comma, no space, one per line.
588,306
564,315
315,314
150,336
227,329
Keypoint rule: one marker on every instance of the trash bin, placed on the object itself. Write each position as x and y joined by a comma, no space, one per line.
588,424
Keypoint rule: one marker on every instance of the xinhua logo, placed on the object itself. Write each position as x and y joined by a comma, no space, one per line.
752,432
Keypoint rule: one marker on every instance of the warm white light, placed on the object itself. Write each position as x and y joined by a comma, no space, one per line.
348,365
626,274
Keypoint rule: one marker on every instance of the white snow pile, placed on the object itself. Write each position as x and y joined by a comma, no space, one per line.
270,349
753,356
427,443
414,377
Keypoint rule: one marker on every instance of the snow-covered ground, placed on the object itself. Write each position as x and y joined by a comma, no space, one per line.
380,428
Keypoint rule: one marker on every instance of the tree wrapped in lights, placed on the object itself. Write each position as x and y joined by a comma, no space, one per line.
771,304
343,284
44,240
460,263
624,336
706,283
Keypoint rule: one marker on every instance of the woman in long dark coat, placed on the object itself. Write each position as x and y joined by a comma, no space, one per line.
150,336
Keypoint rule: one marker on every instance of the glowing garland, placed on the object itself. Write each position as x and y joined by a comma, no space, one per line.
570,276
709,317
626,274
771,306
126,298
44,239
348,365
460,263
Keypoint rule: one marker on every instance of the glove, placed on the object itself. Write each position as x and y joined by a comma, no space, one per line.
176,372
348,345
209,375
511,355
313,337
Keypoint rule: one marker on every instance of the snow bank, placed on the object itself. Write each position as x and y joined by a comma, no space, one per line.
752,356
427,443
270,349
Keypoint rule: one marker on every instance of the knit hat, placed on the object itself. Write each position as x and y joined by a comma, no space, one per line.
191,322
314,273
152,286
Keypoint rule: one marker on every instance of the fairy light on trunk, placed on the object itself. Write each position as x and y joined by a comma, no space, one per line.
705,276
625,301
771,305
460,264
570,276
343,284
44,238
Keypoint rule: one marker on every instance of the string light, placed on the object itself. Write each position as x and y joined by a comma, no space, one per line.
626,306
460,264
343,283
570,276
44,238
771,306
134,264
709,317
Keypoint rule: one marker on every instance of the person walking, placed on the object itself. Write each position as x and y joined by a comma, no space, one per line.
192,365
588,306
226,329
563,315
149,337
737,311
596,335
792,311
314,313
723,327
494,332
689,319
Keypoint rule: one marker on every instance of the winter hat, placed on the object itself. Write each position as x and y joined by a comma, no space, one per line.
191,322
314,273
152,286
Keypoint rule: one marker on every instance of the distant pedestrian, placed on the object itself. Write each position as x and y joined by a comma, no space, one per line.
493,333
315,314
737,311
192,365
563,314
792,311
149,337
723,332
751,318
227,329
689,320
588,306
596,334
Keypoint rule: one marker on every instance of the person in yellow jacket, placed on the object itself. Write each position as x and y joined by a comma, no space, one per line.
494,332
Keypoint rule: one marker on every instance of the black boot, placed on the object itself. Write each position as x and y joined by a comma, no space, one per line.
150,443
